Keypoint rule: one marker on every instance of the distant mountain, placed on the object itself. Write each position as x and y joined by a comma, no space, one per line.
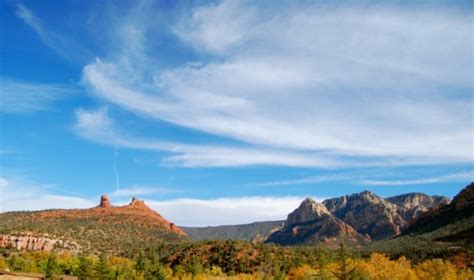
412,205
312,223
365,212
101,228
368,214
258,231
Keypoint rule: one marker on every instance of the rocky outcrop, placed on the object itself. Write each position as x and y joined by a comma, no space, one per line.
368,213
137,203
308,211
104,201
312,223
137,208
29,241
26,242
412,205
414,200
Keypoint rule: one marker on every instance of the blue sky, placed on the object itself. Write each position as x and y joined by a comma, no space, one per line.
232,111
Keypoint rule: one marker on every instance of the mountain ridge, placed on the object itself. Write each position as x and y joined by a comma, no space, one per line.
219,232
356,218
254,232
312,223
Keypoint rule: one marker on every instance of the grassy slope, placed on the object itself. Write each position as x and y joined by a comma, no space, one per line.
235,232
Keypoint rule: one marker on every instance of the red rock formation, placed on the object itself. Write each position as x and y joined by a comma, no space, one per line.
368,214
137,203
312,223
104,201
137,212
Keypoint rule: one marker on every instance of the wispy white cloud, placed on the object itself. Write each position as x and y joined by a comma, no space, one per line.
98,126
140,191
465,176
21,97
313,179
94,123
227,210
18,194
219,27
371,177
47,201
63,45
308,82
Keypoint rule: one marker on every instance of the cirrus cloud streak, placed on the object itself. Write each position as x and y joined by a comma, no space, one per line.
325,81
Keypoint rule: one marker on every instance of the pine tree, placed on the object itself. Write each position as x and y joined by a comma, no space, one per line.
51,267
344,272
102,269
85,268
195,266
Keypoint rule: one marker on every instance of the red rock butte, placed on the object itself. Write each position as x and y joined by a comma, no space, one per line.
104,201
137,212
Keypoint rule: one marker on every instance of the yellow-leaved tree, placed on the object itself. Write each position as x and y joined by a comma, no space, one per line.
436,269
380,267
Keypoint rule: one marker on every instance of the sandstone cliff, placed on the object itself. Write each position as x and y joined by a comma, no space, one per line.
312,223
136,209
31,241
412,205
368,214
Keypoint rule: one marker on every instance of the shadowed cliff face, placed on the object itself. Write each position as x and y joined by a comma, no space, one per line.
465,199
459,212
312,223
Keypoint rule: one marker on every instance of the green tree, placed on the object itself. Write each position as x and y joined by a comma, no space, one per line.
19,263
344,272
195,267
158,273
85,268
3,264
102,269
51,268
142,264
